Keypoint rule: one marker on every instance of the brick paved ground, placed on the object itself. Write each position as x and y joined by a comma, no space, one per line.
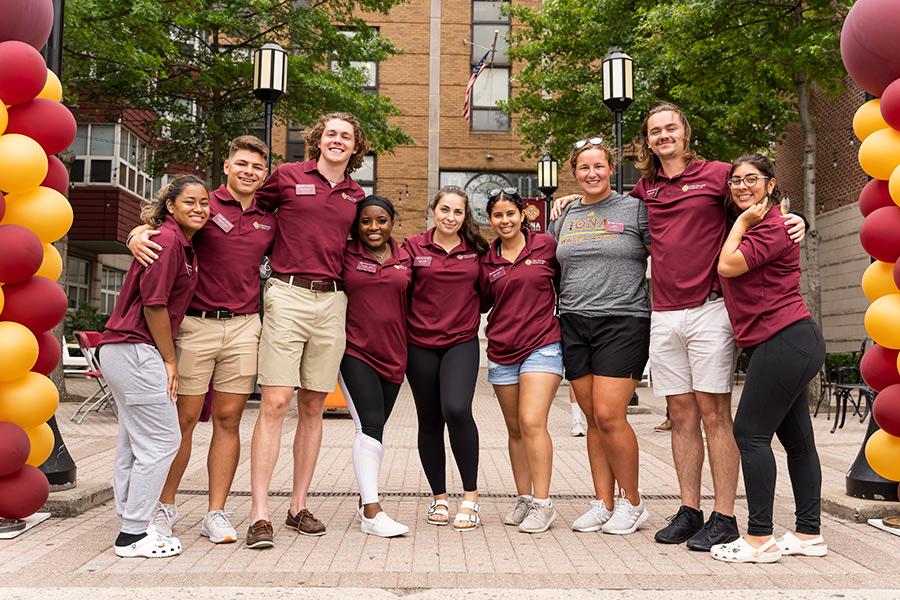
77,551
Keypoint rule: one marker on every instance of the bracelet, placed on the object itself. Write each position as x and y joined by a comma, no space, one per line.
128,239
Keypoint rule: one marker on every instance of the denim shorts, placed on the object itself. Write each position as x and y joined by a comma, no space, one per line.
546,359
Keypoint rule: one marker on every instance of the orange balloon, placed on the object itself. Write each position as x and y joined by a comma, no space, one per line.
4,118
19,349
23,163
29,400
894,185
881,321
42,442
878,280
879,153
883,454
868,119
51,266
43,210
53,89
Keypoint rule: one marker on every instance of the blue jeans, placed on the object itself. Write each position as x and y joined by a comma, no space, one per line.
546,359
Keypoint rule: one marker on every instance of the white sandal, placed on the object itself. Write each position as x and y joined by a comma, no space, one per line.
152,545
740,551
465,521
791,545
435,510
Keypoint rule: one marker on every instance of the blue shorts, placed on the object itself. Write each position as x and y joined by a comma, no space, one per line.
546,359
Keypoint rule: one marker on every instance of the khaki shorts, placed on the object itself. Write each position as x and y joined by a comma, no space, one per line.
222,349
692,350
303,337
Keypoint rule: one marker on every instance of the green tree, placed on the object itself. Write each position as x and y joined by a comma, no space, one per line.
189,62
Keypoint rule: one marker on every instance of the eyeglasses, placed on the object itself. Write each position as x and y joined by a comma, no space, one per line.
748,180
509,191
594,141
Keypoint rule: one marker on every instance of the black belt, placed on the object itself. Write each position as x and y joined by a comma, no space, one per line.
214,314
325,285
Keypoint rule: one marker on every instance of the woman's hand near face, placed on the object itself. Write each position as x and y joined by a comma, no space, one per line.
753,215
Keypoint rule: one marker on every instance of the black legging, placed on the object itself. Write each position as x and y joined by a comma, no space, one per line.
443,385
774,402
373,397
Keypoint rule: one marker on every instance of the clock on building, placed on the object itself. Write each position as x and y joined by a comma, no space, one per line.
477,189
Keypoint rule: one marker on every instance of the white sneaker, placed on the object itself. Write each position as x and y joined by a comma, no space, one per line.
165,518
626,517
577,429
382,525
519,511
217,528
153,545
538,519
593,519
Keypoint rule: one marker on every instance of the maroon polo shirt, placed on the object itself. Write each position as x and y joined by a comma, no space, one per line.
170,281
377,308
231,247
314,219
687,229
523,297
444,307
765,299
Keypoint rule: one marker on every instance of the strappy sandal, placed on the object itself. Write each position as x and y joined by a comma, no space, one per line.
791,545
740,551
439,508
465,521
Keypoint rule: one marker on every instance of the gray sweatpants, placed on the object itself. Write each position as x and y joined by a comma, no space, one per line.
149,434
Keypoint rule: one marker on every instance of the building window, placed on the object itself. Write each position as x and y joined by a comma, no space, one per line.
493,84
365,175
110,285
368,68
111,154
78,278
296,144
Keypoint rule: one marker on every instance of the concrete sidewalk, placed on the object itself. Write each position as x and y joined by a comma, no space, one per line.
76,552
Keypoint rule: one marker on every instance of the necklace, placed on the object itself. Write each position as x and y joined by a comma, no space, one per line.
379,257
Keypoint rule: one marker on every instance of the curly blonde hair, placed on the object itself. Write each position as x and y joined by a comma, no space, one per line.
360,143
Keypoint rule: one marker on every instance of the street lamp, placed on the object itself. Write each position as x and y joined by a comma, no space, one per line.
548,176
269,83
618,94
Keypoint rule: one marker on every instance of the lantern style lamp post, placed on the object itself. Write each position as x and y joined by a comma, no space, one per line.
269,83
548,182
618,94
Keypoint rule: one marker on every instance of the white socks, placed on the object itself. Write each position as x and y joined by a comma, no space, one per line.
367,456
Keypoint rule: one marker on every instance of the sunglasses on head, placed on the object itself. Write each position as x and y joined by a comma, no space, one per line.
594,141
509,191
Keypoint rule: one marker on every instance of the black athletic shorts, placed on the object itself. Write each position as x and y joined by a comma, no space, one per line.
605,346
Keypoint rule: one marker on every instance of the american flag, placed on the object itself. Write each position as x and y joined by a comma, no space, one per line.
482,64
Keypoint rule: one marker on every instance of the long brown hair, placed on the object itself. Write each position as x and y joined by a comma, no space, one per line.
360,143
153,212
645,161
469,229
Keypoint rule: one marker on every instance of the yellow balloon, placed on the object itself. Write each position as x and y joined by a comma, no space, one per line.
43,210
883,455
53,89
23,163
51,266
881,321
42,442
19,349
879,153
29,400
2,299
877,280
894,186
4,118
868,119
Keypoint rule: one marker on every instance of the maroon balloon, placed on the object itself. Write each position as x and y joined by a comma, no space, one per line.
21,253
873,196
869,44
57,176
37,303
22,493
879,367
2,206
46,121
23,72
28,21
879,234
890,104
49,353
14,448
886,410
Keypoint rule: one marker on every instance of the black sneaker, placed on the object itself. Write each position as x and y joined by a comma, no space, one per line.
719,529
682,526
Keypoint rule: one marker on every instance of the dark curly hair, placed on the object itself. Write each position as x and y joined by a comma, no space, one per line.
765,166
153,212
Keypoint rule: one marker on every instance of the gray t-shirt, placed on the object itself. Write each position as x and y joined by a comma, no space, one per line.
603,256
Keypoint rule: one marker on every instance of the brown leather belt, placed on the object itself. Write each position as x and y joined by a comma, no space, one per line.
325,285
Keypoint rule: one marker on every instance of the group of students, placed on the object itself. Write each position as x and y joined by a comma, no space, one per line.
346,302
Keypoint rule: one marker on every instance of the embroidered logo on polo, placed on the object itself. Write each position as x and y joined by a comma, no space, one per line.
401,267
422,261
467,256
350,198
652,193
263,226
535,261
696,186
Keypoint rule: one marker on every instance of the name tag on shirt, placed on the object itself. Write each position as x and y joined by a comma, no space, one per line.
367,267
305,189
497,274
423,261
614,226
223,223
467,256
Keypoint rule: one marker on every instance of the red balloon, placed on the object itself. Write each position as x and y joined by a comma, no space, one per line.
873,196
22,493
57,176
47,122
37,303
23,72
49,353
878,367
886,410
14,448
21,253
890,104
869,44
28,21
879,234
